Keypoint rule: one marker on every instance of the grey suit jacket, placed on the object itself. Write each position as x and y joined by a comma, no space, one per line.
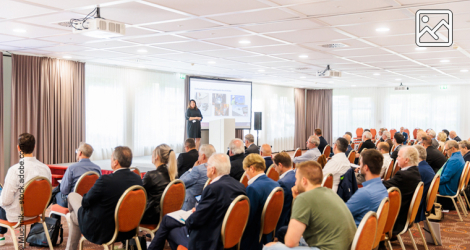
252,149
435,143
194,180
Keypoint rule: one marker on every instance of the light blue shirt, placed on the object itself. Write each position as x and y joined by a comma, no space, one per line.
450,174
310,155
194,180
73,173
367,199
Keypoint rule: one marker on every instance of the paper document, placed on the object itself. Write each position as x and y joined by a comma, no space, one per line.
180,215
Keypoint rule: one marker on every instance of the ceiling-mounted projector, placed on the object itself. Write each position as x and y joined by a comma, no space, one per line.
328,73
401,87
97,26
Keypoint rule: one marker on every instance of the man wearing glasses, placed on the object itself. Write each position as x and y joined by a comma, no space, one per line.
312,153
452,170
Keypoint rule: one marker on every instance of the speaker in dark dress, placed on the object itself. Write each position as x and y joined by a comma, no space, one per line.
194,126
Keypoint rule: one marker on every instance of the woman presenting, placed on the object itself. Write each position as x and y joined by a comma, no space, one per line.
194,117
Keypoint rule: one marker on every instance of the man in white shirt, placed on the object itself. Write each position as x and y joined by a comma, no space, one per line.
312,153
339,163
384,148
9,201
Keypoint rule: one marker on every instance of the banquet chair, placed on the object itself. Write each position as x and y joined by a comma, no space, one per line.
272,173
382,214
392,132
322,161
327,151
394,196
328,181
415,133
271,212
359,132
466,183
244,179
396,168
365,234
457,194
389,171
462,190
298,152
430,198
373,131
412,212
352,156
136,170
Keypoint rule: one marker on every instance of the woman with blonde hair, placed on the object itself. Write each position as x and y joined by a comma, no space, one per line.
155,181
441,138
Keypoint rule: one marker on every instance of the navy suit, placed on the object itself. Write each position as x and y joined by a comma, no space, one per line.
205,224
323,144
427,174
287,182
406,138
257,192
269,161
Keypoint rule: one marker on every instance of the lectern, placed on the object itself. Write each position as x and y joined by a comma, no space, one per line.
221,132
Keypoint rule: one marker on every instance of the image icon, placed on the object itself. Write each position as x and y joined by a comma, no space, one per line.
433,28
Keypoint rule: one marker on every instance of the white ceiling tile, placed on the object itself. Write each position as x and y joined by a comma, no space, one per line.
184,25
339,7
190,46
137,31
8,48
226,53
351,44
279,49
31,31
159,38
52,20
108,44
187,57
135,50
70,4
412,49
308,36
207,7
235,41
30,43
283,26
17,9
369,29
376,58
72,38
253,17
65,48
5,38
223,32
368,17
312,55
253,59
393,64
431,55
392,40
100,54
359,52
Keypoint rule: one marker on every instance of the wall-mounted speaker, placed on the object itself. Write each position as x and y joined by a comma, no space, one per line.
258,120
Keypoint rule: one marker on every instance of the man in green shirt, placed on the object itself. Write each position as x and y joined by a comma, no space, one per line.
319,214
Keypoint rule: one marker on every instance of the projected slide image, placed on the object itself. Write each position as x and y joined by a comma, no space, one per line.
238,100
219,99
221,109
239,110
202,100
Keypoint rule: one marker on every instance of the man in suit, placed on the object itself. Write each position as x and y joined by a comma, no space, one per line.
323,142
258,190
405,135
283,165
434,157
312,153
250,147
427,175
366,144
406,179
453,136
464,147
186,160
93,214
267,155
195,178
398,140
432,134
75,171
202,228
237,154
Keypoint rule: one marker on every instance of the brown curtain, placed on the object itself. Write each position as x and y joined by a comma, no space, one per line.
300,132
1,119
319,109
186,103
239,133
48,101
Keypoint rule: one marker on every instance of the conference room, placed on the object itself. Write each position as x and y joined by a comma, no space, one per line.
272,105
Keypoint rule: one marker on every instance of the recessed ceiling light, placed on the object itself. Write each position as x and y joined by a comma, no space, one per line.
464,70
383,29
421,48
244,42
66,57
376,74
444,61
398,79
142,51
260,70
211,62
19,30
302,77
303,56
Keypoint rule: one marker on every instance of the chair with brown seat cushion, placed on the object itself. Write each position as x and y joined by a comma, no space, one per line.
129,211
394,196
172,200
430,198
457,194
271,212
298,152
467,165
412,212
396,168
244,179
328,181
389,171
272,173
463,187
392,132
322,161
136,170
415,133
327,151
36,196
382,214
373,131
359,132
365,234
352,156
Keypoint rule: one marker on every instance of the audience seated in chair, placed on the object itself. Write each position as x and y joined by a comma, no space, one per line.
427,175
464,147
10,194
398,140
406,180
267,155
431,133
258,190
313,151
250,147
405,135
93,214
187,160
369,197
237,154
195,178
348,138
384,149
453,136
318,214
323,142
155,181
283,165
74,172
434,157
366,143
201,229
339,163
450,173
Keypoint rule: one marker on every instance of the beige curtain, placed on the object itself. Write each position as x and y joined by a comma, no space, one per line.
1,119
300,132
48,101
186,103
319,109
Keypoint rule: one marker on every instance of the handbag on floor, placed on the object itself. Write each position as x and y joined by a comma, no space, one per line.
37,237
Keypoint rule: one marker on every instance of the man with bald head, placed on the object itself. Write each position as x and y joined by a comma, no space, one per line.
237,155
348,138
267,155
453,136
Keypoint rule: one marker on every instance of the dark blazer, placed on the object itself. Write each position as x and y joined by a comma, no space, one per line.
366,144
204,225
257,192
466,157
186,161
427,174
406,181
96,215
269,161
286,183
347,151
457,139
252,149
323,144
435,158
406,138
236,162
394,154
154,182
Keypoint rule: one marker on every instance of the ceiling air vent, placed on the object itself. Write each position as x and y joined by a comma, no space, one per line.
334,45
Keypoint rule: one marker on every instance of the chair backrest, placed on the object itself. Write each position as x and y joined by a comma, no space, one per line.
327,151
407,131
414,205
272,173
415,133
373,132
328,181
467,164
395,168
393,148
388,172
392,132
359,132
322,161
432,192
365,234
463,177
271,211
135,170
298,152
244,179
129,210
207,183
352,156
85,182
36,196
235,220
382,214
394,196
360,145
172,198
